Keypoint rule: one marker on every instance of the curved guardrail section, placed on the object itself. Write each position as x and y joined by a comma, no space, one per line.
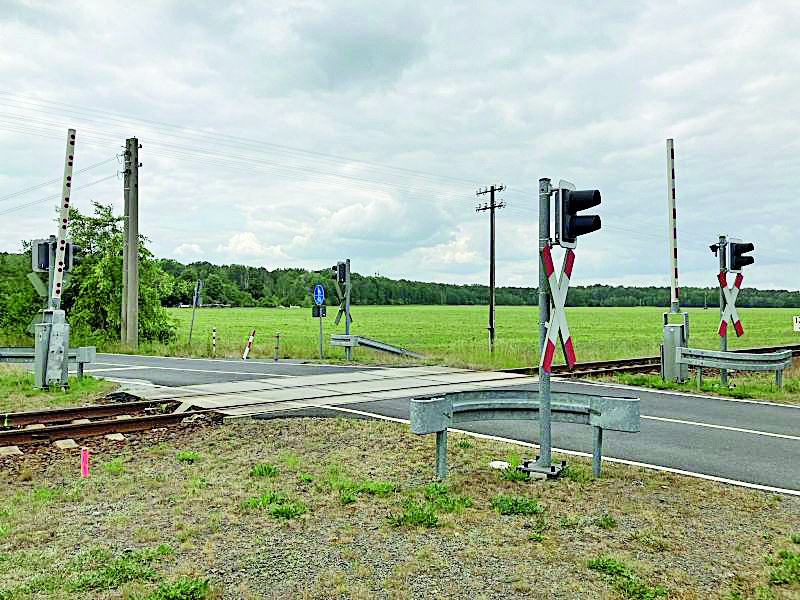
435,415
736,361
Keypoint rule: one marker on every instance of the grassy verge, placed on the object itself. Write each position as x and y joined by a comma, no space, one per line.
18,394
307,508
757,386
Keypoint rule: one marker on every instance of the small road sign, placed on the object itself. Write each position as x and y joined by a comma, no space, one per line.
557,326
729,312
797,323
319,294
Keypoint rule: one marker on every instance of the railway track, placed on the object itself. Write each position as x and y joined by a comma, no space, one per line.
88,421
645,364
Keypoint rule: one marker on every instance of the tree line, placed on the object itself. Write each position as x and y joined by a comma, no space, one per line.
93,298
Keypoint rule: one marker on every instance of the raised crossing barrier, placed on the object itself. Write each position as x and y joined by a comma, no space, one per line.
351,341
737,361
81,356
435,415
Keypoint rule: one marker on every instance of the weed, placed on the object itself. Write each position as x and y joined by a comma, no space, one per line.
511,473
788,570
44,495
183,589
3,530
346,497
571,522
415,514
188,457
440,499
132,566
288,510
796,538
605,522
516,505
624,580
277,505
575,474
305,477
264,471
114,467
535,537
464,444
377,488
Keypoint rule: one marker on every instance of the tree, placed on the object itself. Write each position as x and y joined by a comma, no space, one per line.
94,299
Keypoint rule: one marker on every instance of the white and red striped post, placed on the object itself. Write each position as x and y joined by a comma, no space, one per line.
249,345
673,229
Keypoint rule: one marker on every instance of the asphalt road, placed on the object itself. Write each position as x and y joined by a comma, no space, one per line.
742,441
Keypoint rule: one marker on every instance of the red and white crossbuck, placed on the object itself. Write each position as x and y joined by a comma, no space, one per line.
557,325
729,298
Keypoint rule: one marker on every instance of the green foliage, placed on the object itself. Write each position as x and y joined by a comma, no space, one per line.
114,467
187,457
94,298
576,474
131,566
464,444
183,589
512,472
796,538
624,579
264,471
787,571
605,522
440,499
415,514
277,505
516,505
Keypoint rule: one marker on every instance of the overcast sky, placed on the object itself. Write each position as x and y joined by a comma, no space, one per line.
300,133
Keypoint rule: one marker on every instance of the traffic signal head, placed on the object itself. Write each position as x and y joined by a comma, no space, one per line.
569,224
736,258
73,256
341,268
40,256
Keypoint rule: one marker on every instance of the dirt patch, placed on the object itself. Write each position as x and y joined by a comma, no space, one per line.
191,493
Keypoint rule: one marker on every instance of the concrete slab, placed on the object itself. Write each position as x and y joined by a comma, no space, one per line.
10,450
35,426
473,376
66,444
80,421
115,437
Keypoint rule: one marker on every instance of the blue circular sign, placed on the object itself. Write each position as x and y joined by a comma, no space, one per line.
319,294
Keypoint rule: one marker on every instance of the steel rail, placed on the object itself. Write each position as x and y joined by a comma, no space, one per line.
60,415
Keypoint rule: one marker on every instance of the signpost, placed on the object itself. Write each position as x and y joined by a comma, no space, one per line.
319,311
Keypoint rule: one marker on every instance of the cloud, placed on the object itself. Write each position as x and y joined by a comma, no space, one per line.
188,250
246,244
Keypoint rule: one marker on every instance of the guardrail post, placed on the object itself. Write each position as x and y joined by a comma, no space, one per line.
441,454
597,449
779,378
699,378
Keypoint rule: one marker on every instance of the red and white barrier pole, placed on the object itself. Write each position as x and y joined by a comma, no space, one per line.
214,341
673,228
249,345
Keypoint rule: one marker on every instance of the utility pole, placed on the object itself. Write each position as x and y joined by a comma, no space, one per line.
545,460
491,207
131,253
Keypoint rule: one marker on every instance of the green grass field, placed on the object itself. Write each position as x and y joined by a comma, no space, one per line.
457,335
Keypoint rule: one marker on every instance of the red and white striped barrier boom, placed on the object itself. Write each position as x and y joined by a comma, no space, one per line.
673,226
249,345
557,325
729,312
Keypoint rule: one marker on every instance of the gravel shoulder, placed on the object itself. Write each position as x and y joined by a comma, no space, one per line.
323,516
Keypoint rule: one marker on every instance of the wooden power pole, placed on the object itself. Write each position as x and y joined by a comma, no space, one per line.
491,207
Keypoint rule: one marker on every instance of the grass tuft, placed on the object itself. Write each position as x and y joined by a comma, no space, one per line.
265,470
188,457
183,589
416,514
788,571
624,579
516,505
605,522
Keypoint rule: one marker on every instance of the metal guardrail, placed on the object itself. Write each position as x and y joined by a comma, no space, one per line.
435,415
80,356
736,361
351,341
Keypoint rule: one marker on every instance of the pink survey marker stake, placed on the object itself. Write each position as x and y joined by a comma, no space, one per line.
84,463
557,325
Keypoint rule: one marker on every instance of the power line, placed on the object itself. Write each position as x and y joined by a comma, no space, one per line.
54,196
53,181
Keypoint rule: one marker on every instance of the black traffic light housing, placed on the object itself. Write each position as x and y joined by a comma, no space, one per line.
340,272
736,255
40,256
73,256
569,224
